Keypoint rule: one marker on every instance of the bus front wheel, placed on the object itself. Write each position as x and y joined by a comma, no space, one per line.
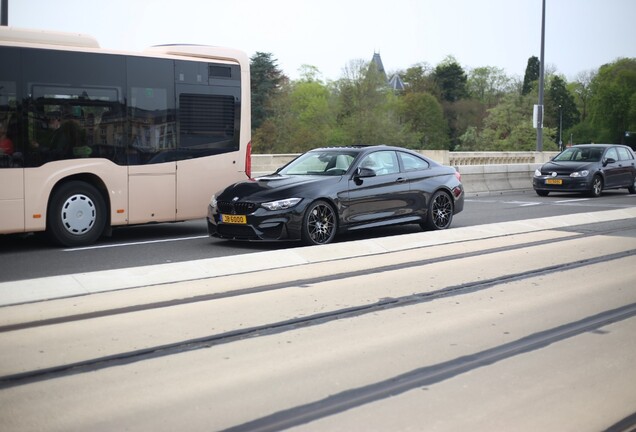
76,214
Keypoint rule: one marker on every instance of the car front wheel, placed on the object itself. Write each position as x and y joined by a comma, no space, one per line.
440,212
319,223
597,187
632,188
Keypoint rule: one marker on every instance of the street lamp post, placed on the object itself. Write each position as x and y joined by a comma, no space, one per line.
560,128
541,78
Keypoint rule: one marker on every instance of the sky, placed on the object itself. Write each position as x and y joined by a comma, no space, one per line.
580,35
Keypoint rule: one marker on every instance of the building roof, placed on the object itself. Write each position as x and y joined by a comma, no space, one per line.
395,82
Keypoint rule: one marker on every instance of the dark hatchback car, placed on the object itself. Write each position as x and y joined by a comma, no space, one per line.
588,168
330,190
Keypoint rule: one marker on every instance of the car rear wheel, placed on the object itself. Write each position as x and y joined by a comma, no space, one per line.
597,187
440,212
76,214
632,188
319,223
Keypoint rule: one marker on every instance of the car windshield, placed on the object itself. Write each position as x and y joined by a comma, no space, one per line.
320,163
580,154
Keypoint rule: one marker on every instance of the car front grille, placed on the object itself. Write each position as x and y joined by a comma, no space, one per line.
239,232
238,208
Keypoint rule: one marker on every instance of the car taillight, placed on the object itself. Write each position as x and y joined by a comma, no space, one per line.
248,160
458,175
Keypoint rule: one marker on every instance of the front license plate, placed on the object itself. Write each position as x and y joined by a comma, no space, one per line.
233,219
554,181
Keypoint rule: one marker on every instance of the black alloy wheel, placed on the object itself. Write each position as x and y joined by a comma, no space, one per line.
440,212
319,224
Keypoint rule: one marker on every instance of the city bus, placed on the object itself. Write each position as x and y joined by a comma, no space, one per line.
93,139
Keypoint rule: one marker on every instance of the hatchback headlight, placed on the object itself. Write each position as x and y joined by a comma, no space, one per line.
537,172
213,202
583,173
281,204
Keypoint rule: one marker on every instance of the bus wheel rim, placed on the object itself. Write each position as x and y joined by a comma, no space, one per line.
78,214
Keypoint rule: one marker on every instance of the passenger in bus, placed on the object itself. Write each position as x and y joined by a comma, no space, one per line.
66,137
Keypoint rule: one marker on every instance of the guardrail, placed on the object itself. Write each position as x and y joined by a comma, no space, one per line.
482,172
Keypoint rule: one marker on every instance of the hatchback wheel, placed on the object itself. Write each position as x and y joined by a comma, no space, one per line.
440,212
597,186
632,188
319,224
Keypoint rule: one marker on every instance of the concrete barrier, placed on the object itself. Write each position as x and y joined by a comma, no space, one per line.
482,172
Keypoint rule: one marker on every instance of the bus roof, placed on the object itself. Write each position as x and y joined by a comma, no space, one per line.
20,36
14,36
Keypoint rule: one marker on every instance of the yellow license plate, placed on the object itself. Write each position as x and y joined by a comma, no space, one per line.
554,181
233,219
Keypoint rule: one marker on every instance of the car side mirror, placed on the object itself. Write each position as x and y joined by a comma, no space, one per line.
361,173
609,161
364,172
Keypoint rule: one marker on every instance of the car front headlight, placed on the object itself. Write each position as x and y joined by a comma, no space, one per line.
213,202
583,173
537,172
281,204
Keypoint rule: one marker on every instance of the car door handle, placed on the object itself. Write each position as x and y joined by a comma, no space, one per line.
400,180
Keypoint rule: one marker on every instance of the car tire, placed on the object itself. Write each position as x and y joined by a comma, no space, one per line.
597,187
440,212
76,214
632,188
542,193
320,223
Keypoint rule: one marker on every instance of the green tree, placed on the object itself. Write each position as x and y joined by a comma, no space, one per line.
560,106
611,105
581,88
367,110
424,118
488,85
508,127
266,81
531,75
451,79
419,79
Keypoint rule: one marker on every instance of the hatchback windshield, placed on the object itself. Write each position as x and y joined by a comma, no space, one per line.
320,163
580,154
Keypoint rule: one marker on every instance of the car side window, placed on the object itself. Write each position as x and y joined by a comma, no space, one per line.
624,154
611,154
413,163
382,162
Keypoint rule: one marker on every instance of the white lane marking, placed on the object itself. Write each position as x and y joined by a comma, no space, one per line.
523,203
132,244
571,200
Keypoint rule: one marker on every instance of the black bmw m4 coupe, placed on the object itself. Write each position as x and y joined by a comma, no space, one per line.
331,190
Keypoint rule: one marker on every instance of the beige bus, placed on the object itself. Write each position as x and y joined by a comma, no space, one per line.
94,139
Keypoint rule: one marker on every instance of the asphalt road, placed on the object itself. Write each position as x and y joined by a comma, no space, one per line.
511,326
25,257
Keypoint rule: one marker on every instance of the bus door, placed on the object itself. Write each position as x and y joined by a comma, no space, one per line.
151,151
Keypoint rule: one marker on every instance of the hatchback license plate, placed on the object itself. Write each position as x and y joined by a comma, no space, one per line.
233,219
554,181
